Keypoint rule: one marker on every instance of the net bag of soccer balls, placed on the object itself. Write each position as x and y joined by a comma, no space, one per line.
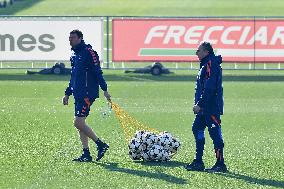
151,147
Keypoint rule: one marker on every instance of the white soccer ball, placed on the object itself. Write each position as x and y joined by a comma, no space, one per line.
135,145
156,152
145,155
149,139
165,140
145,135
138,134
135,155
166,133
165,155
175,146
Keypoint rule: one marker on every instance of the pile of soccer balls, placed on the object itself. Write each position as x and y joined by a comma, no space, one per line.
151,147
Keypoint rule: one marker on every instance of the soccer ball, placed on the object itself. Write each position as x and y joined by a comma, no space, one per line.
145,135
174,146
134,155
156,152
138,135
135,145
149,139
146,156
165,155
165,140
166,133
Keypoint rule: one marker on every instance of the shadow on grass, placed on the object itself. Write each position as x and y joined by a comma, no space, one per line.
137,78
18,6
141,173
253,180
162,164
24,77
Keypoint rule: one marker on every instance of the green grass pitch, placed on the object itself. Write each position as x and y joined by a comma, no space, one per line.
38,140
147,8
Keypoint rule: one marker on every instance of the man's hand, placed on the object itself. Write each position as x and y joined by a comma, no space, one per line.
65,100
196,109
107,96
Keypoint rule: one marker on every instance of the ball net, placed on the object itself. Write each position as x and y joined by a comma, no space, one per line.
128,123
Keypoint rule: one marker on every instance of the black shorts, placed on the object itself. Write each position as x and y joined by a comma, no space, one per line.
82,107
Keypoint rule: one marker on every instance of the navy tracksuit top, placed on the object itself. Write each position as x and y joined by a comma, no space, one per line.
86,74
209,88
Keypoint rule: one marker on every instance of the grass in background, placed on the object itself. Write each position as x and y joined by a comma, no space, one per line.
147,8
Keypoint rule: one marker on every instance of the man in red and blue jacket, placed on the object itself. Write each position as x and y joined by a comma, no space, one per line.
86,78
208,107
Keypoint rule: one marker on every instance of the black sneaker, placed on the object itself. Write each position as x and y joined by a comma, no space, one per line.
218,167
102,150
195,166
84,158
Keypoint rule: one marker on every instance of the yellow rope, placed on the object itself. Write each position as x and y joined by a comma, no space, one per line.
128,123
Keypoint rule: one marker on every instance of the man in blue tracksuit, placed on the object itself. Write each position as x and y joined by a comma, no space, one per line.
208,106
86,78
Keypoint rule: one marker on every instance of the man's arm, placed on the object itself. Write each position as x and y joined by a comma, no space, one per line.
95,61
103,83
68,92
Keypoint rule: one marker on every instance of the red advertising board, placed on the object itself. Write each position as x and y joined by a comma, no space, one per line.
176,40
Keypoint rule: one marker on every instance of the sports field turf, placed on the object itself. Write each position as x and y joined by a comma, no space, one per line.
38,140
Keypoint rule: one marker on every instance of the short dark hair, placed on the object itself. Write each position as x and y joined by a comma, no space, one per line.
77,32
207,46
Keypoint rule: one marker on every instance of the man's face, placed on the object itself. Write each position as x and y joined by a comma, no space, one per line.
201,52
74,39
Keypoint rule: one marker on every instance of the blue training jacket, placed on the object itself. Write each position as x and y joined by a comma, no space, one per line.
209,88
86,74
